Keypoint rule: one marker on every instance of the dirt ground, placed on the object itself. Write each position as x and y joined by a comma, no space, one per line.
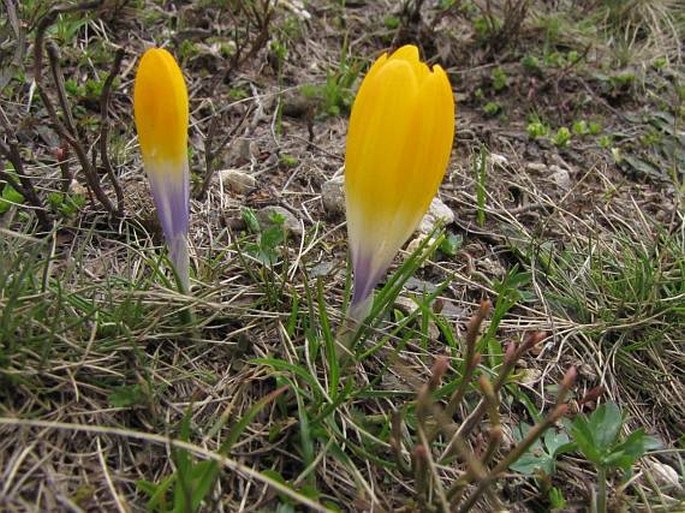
568,142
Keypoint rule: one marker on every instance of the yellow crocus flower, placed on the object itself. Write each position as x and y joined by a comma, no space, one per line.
160,103
398,144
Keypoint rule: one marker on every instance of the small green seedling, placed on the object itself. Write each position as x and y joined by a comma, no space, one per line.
288,160
580,128
270,236
66,205
9,196
562,137
540,460
451,244
537,129
492,108
500,80
542,455
598,437
531,64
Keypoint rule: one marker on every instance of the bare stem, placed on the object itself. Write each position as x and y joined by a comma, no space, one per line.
512,355
67,132
396,441
104,128
10,149
212,149
471,358
535,432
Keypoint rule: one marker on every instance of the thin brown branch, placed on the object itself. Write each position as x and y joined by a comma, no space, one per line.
58,78
24,184
471,358
211,150
396,441
535,432
68,131
104,128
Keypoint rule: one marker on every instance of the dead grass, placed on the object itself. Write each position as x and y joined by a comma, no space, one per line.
102,386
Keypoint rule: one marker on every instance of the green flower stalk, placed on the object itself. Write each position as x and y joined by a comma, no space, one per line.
398,144
160,101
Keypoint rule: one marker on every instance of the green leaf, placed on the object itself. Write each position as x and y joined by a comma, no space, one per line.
605,426
451,244
625,454
535,459
532,462
250,219
555,441
10,196
582,436
126,396
556,498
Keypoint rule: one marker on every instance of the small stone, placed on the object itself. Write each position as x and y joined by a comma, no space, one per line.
333,195
322,269
490,266
438,212
530,376
76,188
418,285
663,474
406,305
241,151
297,8
237,181
560,176
291,224
499,160
536,167
416,242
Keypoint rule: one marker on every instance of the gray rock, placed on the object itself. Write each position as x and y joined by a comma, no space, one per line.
536,167
560,176
291,223
416,242
437,212
664,475
237,181
333,198
333,195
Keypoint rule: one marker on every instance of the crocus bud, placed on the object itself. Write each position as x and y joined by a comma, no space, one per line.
160,104
398,144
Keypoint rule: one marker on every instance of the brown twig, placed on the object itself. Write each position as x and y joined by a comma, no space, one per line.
58,78
212,150
438,491
61,153
495,433
420,464
67,132
471,358
535,432
24,186
7,72
512,355
501,34
104,128
257,14
560,408
396,441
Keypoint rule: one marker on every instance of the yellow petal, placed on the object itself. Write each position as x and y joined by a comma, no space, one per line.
398,144
160,101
